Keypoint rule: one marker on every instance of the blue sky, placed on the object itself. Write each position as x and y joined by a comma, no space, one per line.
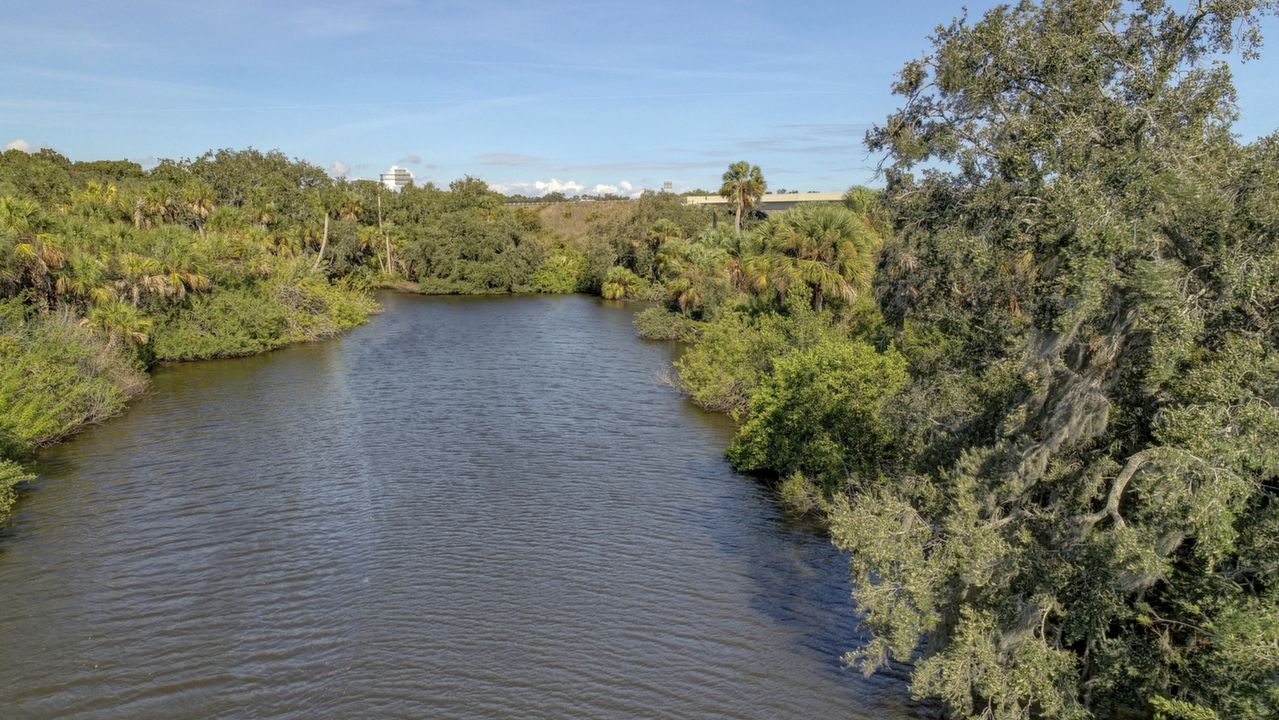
561,93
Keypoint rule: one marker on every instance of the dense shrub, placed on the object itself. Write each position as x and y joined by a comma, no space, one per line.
623,284
656,323
259,317
721,371
561,272
474,250
820,412
11,474
56,375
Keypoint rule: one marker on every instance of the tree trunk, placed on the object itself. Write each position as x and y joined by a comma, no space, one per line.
739,216
324,242
818,300
385,238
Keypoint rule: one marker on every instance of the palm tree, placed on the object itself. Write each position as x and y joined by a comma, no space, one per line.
368,241
743,185
139,213
324,201
261,209
121,323
19,215
661,232
621,283
32,261
96,200
139,273
826,247
157,205
198,198
81,278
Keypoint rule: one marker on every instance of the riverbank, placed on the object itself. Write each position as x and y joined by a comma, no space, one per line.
57,375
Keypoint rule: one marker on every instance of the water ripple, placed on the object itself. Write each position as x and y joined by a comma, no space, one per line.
467,508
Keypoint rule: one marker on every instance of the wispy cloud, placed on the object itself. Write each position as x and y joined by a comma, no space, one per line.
113,81
640,165
447,110
829,129
63,38
509,159
335,20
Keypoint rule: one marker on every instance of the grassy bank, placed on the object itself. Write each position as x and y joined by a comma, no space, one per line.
59,373
106,270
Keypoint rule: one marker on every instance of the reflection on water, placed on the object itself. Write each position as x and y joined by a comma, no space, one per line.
467,508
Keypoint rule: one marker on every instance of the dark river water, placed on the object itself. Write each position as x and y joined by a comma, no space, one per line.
467,508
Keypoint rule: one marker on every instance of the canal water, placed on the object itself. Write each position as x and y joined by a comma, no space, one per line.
468,508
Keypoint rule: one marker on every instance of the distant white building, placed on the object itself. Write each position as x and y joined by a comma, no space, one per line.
397,177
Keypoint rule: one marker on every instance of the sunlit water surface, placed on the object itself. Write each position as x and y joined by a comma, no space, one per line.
467,508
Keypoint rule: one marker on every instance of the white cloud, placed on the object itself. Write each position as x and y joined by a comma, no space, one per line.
339,168
568,187
623,188
538,188
18,144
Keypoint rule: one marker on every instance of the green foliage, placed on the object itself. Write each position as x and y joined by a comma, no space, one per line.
260,317
695,274
820,412
657,323
56,376
634,238
561,272
826,249
11,474
744,185
1167,709
1084,455
801,495
721,371
623,284
194,259
473,249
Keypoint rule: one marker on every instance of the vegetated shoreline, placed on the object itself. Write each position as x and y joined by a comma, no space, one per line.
139,382
132,384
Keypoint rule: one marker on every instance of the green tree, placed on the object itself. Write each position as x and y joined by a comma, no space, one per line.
199,202
743,186
20,216
621,283
121,323
1076,530
825,247
658,234
820,412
